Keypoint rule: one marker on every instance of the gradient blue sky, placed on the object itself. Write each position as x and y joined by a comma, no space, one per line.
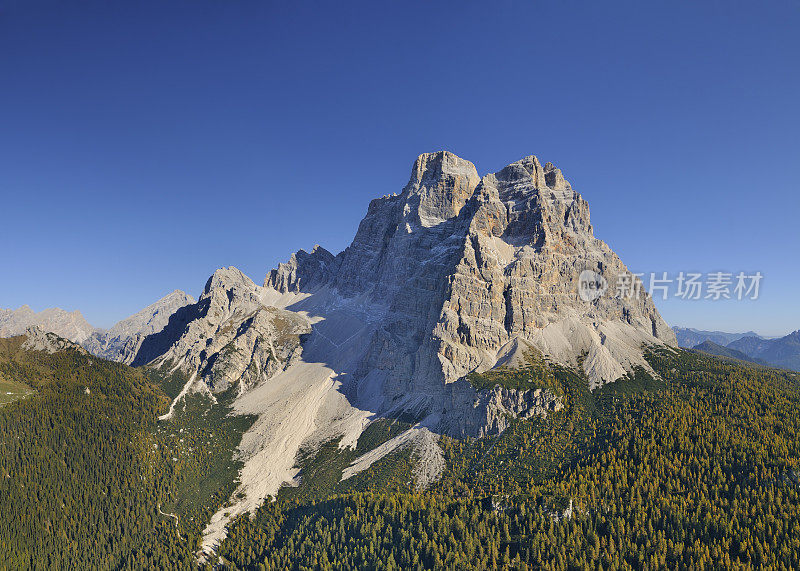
144,144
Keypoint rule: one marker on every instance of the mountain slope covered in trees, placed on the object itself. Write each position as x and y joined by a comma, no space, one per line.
693,471
695,468
89,480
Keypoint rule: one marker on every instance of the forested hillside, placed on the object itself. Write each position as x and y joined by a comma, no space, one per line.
695,470
698,471
87,475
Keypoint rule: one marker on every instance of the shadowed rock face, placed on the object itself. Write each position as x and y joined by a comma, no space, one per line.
315,269
122,342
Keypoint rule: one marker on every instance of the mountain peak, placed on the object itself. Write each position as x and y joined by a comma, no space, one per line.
439,186
228,277
505,269
122,342
303,270
432,166
176,293
454,275
530,169
523,169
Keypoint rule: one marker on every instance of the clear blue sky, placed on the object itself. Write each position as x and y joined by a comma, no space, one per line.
144,144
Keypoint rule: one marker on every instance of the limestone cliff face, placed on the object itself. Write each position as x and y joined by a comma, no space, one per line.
402,231
453,275
304,271
529,238
502,404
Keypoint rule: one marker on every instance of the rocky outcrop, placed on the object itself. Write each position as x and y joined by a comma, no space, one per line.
37,339
67,324
303,271
229,337
122,342
505,404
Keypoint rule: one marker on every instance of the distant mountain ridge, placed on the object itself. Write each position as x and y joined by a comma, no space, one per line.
721,351
121,343
783,352
690,337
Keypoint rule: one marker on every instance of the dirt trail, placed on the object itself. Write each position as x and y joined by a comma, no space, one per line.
171,515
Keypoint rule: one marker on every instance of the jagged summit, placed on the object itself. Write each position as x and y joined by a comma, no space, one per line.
439,186
432,166
228,277
319,264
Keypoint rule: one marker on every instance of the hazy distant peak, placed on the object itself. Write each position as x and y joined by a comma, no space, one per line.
122,341
70,325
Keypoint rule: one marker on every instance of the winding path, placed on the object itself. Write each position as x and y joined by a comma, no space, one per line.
171,515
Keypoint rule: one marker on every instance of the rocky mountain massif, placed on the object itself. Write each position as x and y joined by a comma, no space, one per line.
456,274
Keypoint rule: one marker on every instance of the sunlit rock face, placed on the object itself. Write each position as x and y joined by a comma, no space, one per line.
69,325
230,337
